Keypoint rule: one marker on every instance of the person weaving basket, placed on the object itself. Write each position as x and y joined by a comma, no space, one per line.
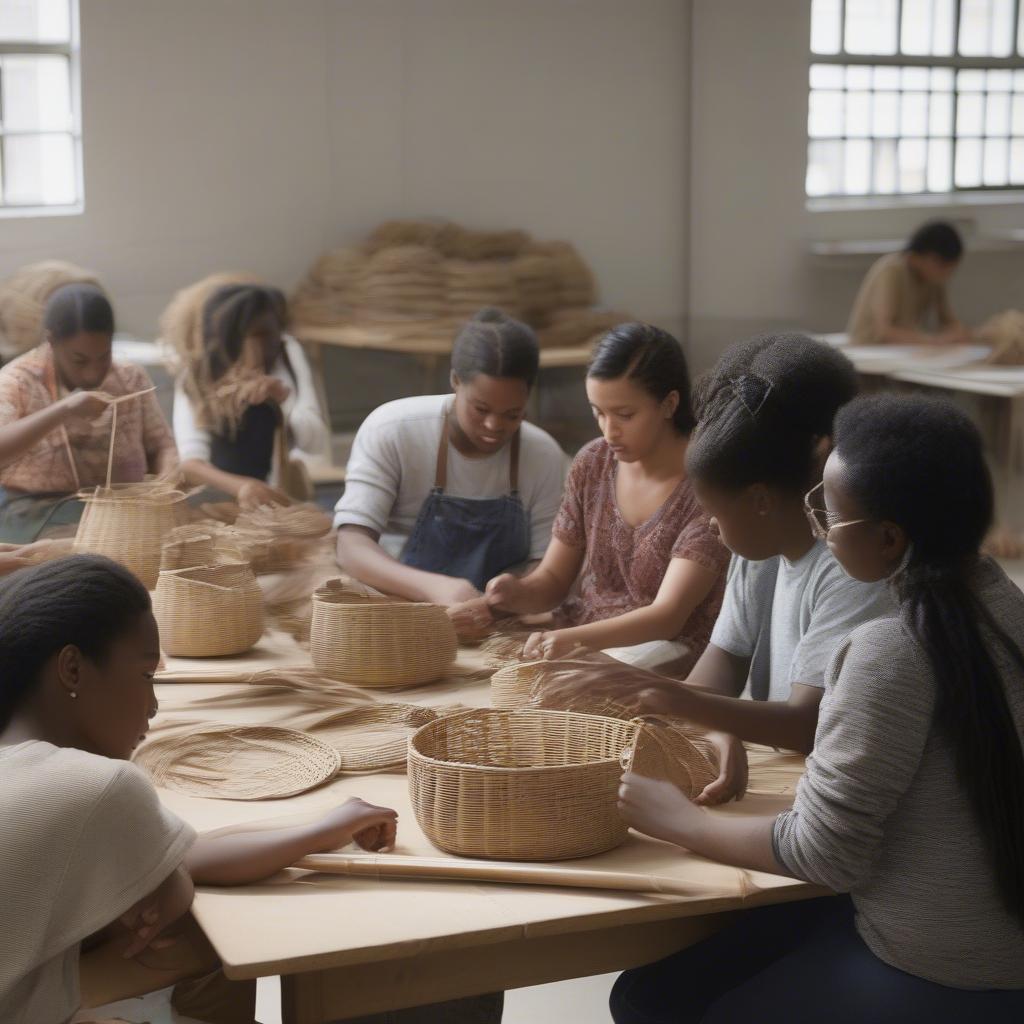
57,405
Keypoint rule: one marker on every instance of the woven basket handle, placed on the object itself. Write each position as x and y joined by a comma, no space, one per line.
183,574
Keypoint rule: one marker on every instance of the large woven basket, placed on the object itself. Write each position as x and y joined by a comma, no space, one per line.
375,641
129,523
208,611
519,785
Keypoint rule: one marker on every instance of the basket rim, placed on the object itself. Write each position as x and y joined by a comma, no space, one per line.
360,602
426,759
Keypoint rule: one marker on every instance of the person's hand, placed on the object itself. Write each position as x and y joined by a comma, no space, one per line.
610,684
12,562
550,645
733,771
658,808
448,591
84,406
371,827
269,388
254,494
471,619
504,591
148,918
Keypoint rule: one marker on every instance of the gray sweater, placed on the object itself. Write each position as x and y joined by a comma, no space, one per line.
880,813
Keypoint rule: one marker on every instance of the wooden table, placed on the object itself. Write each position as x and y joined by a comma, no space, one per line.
352,946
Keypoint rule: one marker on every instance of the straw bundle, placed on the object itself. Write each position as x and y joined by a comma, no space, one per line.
504,647
577,285
277,538
129,523
474,284
580,326
1005,333
437,234
406,280
522,785
208,611
237,762
514,686
23,299
467,244
376,641
538,286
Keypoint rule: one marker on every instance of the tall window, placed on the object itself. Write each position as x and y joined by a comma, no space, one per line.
915,96
40,124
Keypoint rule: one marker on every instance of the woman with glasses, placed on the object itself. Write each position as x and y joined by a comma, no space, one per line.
913,798
764,430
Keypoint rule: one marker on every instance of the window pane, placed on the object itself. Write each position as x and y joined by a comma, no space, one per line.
916,31
997,155
858,113
1001,39
1020,34
1000,80
943,24
857,176
968,163
39,170
1017,162
986,28
35,21
825,26
914,114
997,114
887,78
971,81
940,164
969,114
825,115
886,119
942,78
913,153
940,113
824,168
885,166
858,77
916,79
1018,114
36,93
871,26
827,76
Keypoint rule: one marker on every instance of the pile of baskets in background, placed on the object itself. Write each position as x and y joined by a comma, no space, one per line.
426,277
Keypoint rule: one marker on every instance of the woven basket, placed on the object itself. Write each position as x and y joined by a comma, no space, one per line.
238,762
374,738
519,785
512,687
128,523
208,611
664,750
375,641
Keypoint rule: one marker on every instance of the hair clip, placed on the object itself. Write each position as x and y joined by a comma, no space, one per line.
746,387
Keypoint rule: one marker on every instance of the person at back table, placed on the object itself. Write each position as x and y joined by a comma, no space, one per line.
903,299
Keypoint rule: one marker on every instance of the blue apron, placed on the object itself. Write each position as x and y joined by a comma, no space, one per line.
469,538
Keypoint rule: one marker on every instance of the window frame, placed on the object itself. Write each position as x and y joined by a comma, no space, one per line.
954,196
73,52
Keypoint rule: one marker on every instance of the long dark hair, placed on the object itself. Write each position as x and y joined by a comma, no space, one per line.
495,344
85,601
77,308
651,358
762,410
918,462
227,316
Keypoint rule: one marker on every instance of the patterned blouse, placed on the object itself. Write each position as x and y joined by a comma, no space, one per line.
624,565
144,442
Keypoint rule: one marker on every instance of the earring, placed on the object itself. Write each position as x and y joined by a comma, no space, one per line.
73,694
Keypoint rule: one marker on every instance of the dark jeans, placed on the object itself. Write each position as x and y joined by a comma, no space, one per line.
796,963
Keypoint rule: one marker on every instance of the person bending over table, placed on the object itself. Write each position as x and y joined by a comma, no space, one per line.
444,492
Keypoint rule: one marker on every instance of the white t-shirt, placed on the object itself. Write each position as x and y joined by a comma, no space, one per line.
301,412
394,461
791,617
82,839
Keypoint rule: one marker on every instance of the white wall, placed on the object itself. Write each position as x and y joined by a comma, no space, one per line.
253,133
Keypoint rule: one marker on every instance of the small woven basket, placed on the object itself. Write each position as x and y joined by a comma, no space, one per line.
519,785
376,641
208,611
129,523
664,750
512,687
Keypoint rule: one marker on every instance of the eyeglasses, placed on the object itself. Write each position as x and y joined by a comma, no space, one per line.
821,520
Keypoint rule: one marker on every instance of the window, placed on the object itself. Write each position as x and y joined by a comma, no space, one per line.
915,96
40,126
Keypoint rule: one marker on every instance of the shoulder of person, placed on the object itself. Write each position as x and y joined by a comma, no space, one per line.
80,779
28,366
538,442
884,652
750,575
830,579
134,376
407,414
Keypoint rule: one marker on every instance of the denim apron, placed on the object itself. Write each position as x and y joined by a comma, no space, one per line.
469,538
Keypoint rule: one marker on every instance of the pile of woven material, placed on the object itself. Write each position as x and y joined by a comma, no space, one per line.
1005,333
432,275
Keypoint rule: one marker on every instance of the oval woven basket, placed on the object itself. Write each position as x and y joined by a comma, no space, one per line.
375,641
519,785
128,523
208,611
664,750
512,687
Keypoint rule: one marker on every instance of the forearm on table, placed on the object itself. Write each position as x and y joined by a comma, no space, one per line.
361,556
199,472
745,842
640,626
20,435
241,858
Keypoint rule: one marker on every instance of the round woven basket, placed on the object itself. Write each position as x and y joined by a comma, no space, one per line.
375,641
519,785
662,750
208,611
129,523
512,687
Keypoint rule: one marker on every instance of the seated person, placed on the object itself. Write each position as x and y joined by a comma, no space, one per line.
903,299
56,418
465,487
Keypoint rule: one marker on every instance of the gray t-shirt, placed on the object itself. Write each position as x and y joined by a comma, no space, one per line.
789,617
394,460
